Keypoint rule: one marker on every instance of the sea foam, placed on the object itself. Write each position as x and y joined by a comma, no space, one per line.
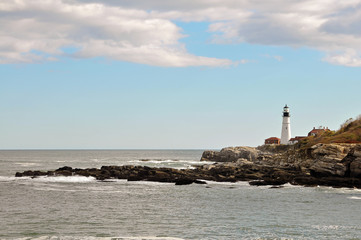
355,198
62,179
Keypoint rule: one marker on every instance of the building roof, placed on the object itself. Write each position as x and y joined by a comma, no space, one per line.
273,138
317,130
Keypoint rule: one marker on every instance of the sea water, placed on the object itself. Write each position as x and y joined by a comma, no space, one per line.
83,208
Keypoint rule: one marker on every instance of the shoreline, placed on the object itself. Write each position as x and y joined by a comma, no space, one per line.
334,165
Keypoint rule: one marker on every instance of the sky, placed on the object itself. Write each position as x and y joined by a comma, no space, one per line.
160,74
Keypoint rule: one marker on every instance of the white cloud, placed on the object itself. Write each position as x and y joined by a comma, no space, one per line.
349,58
144,31
331,26
30,27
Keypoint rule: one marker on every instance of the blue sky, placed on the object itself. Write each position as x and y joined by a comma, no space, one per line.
189,75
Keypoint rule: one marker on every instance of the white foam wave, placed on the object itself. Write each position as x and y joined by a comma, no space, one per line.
331,227
156,161
10,179
149,183
27,164
288,185
354,197
62,179
239,183
199,163
357,190
343,190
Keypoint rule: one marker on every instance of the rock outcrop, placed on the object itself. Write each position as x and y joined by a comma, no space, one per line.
223,172
231,154
332,164
131,173
353,162
337,165
325,159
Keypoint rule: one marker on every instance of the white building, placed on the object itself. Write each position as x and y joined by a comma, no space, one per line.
286,126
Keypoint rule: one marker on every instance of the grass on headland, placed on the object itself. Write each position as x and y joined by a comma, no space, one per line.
349,132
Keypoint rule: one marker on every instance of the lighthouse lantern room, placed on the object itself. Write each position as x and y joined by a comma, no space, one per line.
286,126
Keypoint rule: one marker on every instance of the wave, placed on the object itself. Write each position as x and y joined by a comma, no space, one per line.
239,183
152,159
61,179
10,179
148,183
343,190
171,163
354,197
27,164
332,227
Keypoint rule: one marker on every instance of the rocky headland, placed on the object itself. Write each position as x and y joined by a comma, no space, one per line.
336,165
332,158
333,164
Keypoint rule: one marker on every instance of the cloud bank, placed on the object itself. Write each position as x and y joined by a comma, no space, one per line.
144,31
38,30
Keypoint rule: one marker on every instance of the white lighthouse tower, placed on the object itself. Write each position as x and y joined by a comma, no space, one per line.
286,126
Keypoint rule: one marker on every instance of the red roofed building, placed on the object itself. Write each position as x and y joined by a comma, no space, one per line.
272,140
317,131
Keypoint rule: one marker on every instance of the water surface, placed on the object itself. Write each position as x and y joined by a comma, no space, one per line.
83,208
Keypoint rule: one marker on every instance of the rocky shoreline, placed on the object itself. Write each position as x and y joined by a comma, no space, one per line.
335,165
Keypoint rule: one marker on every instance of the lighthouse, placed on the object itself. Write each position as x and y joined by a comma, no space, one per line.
286,126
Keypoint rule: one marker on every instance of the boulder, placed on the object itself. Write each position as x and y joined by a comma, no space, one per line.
327,160
353,162
210,156
231,154
184,181
65,168
355,168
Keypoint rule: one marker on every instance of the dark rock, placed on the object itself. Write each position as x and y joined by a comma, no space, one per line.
355,164
66,173
66,168
210,156
184,181
266,182
134,178
199,182
276,187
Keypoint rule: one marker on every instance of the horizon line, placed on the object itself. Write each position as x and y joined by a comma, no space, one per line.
101,149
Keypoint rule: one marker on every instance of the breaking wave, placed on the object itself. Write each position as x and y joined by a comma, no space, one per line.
60,179
70,179
355,198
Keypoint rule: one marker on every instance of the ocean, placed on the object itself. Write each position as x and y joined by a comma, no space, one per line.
83,208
